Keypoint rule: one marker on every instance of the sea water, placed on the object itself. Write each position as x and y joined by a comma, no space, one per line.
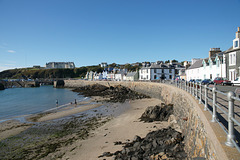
17,102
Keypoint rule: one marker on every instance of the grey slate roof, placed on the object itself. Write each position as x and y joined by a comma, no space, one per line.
131,74
231,50
197,64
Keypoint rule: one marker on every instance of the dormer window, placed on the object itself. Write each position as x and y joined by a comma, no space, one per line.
236,44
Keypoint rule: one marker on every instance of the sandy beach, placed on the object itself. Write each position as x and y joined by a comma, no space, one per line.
123,126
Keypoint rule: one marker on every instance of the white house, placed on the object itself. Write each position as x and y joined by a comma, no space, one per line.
233,58
195,70
132,76
214,66
157,71
208,68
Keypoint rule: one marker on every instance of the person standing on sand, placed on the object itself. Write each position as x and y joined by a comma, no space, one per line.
56,102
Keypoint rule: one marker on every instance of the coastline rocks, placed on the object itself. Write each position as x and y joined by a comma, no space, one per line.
157,113
117,93
161,144
2,86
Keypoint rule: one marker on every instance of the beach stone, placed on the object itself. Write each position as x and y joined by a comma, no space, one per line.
157,113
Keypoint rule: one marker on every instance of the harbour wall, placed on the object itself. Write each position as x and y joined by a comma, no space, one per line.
201,141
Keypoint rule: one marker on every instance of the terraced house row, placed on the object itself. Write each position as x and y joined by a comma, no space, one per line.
219,63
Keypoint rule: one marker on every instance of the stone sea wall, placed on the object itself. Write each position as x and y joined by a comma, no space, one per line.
193,123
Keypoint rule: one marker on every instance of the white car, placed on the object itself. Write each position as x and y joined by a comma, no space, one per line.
236,82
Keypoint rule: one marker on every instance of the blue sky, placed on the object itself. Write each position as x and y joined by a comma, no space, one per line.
88,32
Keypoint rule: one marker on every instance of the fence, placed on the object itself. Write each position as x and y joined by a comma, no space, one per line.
221,106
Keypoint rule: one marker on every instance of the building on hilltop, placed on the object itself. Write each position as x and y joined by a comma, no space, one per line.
104,64
54,65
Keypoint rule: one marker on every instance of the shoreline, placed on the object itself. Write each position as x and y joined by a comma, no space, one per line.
99,125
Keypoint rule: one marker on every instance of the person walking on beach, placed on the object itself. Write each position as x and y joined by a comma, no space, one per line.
56,102
75,101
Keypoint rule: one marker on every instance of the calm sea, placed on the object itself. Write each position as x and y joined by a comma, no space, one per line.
23,101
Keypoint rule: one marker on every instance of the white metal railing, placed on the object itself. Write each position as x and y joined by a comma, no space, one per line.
196,90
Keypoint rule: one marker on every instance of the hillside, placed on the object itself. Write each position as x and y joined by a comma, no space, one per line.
34,73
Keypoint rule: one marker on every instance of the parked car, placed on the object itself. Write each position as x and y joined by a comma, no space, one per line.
192,80
198,80
222,81
236,82
207,81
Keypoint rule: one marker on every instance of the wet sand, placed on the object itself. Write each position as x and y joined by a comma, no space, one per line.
123,126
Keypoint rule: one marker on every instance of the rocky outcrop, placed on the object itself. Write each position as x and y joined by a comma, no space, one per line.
116,93
2,86
157,113
161,144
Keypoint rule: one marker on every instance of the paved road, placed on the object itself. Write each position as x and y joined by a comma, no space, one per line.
226,88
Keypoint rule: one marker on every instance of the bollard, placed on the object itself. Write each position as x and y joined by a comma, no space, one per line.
214,115
230,135
206,100
200,93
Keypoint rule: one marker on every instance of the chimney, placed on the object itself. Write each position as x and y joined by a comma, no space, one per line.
238,33
213,52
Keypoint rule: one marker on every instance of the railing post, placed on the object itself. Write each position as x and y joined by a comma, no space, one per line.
230,135
186,85
193,89
190,89
196,93
200,93
214,115
206,100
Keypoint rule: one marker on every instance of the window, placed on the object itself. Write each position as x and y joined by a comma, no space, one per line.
147,70
147,76
170,76
204,76
162,70
141,77
155,71
232,59
235,44
170,70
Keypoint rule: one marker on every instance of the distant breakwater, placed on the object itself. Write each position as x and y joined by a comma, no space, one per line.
200,138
